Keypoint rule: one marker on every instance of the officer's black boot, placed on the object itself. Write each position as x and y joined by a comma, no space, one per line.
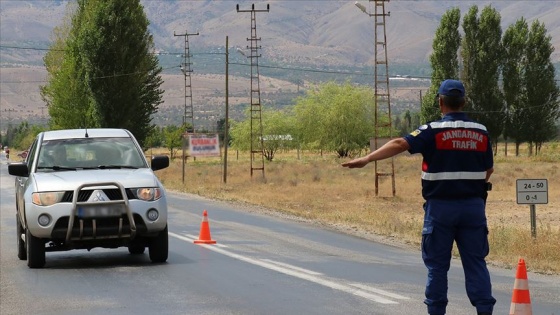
484,313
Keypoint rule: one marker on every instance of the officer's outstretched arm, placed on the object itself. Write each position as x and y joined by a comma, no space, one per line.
389,149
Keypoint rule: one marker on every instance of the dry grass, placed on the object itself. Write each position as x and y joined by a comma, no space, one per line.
316,188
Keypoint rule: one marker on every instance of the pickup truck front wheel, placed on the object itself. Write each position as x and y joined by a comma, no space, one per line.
159,247
22,253
35,251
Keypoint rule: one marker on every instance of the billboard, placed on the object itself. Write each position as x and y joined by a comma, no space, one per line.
204,145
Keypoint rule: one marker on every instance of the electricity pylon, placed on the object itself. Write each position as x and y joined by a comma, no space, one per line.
257,145
381,90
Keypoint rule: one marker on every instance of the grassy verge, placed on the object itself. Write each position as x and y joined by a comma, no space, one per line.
315,187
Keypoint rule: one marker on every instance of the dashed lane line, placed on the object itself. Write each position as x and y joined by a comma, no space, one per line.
361,290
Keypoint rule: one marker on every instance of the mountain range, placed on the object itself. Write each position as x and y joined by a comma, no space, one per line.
327,35
320,32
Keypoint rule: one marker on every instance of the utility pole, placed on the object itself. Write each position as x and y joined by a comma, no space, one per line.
226,123
187,70
257,145
381,90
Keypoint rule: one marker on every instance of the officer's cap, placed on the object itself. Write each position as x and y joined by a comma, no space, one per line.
451,88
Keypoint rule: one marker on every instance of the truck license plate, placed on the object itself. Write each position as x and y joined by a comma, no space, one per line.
100,211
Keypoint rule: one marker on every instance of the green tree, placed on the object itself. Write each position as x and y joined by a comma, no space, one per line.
444,61
154,139
278,129
173,139
404,123
337,118
515,83
482,57
65,94
108,56
220,128
22,136
542,90
240,134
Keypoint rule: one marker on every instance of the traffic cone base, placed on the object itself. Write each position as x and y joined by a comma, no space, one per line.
521,299
522,309
204,236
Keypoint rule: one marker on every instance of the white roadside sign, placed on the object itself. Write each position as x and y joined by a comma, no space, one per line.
532,191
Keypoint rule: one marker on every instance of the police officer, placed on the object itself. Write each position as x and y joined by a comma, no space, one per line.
457,164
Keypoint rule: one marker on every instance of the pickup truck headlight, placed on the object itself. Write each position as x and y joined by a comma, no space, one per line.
47,198
148,194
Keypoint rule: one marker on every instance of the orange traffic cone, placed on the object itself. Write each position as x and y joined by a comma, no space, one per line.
204,236
521,300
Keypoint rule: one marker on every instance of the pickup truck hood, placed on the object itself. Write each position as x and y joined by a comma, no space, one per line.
69,180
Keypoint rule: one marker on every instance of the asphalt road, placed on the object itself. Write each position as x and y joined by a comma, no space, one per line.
261,264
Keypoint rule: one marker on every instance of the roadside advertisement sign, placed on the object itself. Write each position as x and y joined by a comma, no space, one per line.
204,145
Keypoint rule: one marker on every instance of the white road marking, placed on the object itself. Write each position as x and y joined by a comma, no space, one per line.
355,289
281,264
379,291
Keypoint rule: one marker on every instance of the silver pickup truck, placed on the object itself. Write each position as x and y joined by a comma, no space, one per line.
86,188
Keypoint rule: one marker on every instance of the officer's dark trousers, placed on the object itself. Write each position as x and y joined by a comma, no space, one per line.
462,221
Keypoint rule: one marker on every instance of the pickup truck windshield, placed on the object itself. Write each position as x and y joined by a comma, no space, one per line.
89,153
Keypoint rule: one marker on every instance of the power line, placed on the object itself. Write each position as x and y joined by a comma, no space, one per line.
260,65
101,77
244,64
28,48
305,69
153,53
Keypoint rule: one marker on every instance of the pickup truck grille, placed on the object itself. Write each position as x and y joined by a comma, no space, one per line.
87,229
112,193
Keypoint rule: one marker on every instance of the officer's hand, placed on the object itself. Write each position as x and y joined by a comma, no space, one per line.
356,163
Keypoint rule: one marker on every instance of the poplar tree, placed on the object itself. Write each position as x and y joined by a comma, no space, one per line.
482,56
65,94
444,61
113,78
515,41
542,90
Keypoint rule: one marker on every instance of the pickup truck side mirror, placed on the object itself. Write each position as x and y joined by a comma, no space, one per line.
18,169
159,162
